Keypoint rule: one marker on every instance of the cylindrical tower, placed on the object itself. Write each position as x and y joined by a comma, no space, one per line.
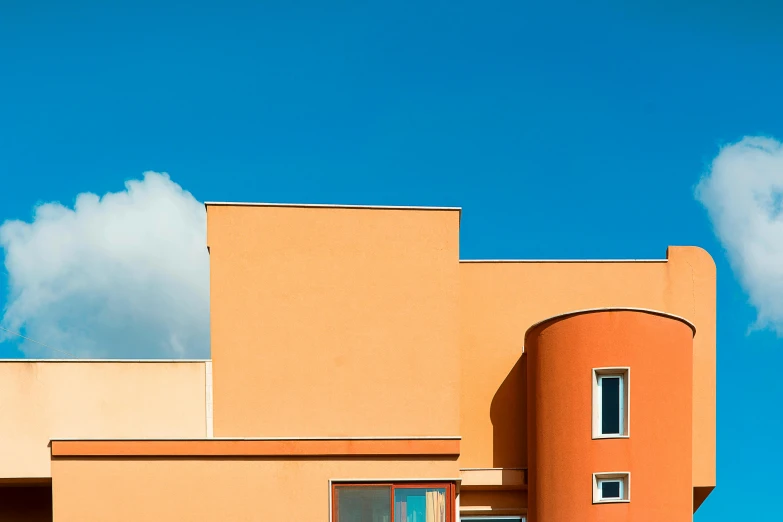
609,417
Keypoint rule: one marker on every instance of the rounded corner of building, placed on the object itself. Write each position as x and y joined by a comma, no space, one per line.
692,254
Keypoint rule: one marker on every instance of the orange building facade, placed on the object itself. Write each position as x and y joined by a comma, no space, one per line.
362,372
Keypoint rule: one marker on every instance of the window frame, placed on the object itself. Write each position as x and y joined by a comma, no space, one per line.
597,375
450,487
493,518
624,477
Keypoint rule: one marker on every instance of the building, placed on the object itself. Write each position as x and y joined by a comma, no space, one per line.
362,372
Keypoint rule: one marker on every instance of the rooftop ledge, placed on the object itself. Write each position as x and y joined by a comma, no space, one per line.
563,260
326,205
437,447
77,360
494,478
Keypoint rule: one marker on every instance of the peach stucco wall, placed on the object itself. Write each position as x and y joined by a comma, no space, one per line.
501,300
561,356
334,321
195,490
362,322
42,400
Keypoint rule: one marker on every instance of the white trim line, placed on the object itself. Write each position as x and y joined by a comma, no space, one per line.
326,205
450,437
563,260
21,360
613,309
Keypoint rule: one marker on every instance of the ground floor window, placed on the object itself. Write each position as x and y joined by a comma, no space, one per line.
490,518
393,502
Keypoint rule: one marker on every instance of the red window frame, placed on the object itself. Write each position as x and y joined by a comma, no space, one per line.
450,487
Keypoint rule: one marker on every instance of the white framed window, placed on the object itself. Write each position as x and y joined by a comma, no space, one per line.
611,487
611,402
496,518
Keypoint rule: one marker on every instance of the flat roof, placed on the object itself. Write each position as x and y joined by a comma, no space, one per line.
563,260
77,360
425,208
276,448
326,205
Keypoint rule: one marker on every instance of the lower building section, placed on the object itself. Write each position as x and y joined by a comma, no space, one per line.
370,500
245,480
129,490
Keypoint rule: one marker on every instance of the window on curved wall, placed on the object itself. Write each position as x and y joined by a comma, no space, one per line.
396,502
611,402
611,487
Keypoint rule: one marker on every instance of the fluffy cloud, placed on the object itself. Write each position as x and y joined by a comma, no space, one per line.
122,275
743,194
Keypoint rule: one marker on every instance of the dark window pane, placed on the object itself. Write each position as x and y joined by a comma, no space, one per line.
363,504
610,489
610,405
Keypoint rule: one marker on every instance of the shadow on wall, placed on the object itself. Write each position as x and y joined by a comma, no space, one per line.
508,413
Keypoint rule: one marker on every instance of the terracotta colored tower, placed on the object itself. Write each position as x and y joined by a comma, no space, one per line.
609,410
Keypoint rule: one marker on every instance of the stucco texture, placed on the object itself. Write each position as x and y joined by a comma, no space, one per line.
499,301
562,355
40,401
196,490
334,321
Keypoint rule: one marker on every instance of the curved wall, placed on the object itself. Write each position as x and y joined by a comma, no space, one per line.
562,353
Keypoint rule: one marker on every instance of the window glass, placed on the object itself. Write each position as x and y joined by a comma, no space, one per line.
610,405
419,505
363,504
610,489
610,402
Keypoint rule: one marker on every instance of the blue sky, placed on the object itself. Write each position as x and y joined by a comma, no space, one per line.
564,131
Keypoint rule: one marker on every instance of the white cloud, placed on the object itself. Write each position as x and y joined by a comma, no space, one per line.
122,275
743,194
